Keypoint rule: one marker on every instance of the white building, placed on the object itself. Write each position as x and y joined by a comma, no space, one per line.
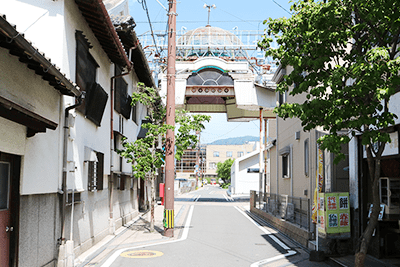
245,174
54,168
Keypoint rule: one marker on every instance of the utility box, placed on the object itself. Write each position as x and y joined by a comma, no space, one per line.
334,215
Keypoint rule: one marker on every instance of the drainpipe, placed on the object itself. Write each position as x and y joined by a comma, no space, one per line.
68,257
64,174
111,182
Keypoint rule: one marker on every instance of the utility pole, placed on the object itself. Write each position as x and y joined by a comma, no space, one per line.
170,142
198,160
261,160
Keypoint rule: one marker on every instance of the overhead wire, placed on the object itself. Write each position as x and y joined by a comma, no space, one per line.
200,21
144,6
281,7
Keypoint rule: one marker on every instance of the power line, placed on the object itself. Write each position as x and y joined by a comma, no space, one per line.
281,7
201,21
144,6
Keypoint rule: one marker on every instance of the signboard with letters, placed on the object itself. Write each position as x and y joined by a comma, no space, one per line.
334,215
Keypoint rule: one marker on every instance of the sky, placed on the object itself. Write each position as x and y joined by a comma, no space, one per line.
245,15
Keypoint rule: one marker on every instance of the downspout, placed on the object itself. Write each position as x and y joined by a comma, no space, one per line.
265,156
111,208
64,174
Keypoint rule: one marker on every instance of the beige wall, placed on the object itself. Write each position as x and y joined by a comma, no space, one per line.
298,181
223,149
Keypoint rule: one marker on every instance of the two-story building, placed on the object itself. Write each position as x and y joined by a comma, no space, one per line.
66,76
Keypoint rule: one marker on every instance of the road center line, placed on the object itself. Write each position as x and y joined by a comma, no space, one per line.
273,237
184,236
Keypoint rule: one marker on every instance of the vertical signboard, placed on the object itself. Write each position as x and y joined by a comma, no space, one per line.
335,214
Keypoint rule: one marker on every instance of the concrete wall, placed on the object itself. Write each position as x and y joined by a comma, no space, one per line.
300,235
39,229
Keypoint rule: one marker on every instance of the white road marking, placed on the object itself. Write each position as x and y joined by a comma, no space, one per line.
197,198
273,237
184,236
259,263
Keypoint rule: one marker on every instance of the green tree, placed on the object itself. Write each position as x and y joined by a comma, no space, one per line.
345,60
224,170
142,153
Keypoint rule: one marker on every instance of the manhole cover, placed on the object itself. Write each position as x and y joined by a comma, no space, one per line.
142,254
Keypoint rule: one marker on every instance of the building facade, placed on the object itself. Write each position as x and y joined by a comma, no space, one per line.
63,114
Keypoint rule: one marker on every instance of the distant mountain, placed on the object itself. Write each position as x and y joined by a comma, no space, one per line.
235,140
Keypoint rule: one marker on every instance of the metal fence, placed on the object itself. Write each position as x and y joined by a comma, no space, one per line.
296,210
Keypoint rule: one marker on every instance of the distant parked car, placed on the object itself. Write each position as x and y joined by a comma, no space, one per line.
213,181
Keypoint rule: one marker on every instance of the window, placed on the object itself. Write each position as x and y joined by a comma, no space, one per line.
213,165
285,166
285,155
216,154
282,98
240,154
121,181
228,154
96,173
306,157
86,67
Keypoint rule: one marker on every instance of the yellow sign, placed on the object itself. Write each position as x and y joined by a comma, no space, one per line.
168,218
142,254
334,213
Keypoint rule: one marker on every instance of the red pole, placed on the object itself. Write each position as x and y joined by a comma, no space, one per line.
170,142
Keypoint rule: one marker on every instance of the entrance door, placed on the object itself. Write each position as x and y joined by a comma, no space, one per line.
9,181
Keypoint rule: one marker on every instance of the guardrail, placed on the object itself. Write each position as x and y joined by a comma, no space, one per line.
184,185
296,210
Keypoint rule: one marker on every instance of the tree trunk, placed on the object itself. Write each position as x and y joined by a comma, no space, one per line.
374,167
373,222
152,203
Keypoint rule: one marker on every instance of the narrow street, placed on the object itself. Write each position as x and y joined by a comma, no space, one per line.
215,231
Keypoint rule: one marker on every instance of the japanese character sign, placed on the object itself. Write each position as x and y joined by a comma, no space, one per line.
321,203
322,220
331,202
344,219
333,220
343,202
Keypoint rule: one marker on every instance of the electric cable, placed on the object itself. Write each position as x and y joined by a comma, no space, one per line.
144,6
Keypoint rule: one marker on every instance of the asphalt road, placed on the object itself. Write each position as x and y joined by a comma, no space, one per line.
217,232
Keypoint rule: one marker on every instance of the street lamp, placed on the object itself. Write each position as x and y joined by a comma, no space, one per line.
209,9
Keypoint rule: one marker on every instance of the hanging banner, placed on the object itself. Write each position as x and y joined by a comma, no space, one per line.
319,183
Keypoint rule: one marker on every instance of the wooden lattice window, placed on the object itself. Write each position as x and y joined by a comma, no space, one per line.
96,173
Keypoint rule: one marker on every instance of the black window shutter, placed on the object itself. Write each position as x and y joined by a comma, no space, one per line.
117,95
85,67
126,107
133,112
100,170
96,104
